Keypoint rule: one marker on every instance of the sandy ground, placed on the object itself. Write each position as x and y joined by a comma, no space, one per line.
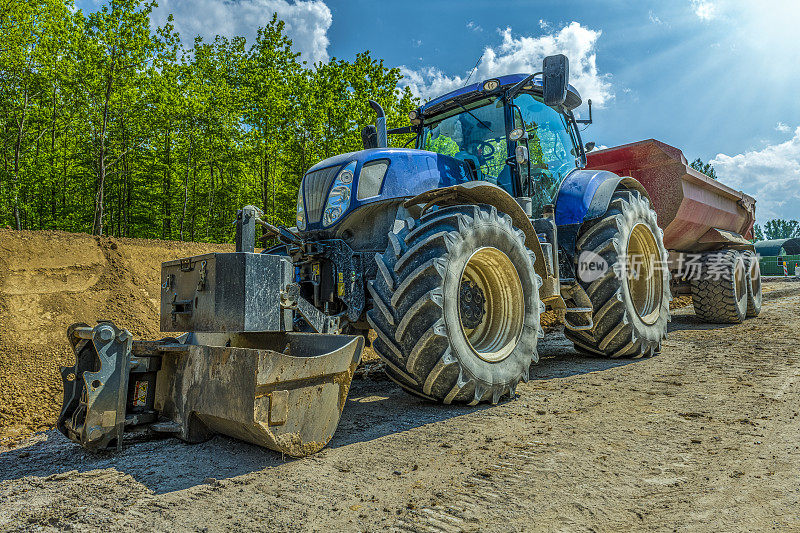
703,437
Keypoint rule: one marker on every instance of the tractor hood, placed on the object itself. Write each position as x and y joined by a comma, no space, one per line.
378,174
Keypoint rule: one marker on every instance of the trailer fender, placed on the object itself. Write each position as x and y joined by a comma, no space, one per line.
585,195
477,192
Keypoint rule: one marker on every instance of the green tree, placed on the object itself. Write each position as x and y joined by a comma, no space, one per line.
705,168
780,229
110,126
758,233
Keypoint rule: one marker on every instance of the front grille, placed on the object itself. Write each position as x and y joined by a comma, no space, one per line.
315,189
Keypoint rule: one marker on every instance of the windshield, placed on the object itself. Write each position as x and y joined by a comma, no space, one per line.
550,146
475,133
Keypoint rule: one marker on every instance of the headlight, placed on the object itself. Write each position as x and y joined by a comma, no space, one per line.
301,209
370,179
339,197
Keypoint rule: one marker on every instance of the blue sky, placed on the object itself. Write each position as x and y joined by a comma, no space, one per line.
716,78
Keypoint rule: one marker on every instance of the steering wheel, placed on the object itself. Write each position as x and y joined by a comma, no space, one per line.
486,149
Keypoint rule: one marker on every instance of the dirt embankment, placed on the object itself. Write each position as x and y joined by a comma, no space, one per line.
49,280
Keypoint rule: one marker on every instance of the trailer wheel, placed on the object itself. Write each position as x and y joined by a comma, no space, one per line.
719,292
630,300
753,284
456,305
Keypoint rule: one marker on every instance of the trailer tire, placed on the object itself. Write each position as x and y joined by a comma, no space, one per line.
629,316
754,297
456,305
719,292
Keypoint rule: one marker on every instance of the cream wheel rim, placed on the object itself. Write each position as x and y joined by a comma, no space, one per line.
739,279
497,281
645,285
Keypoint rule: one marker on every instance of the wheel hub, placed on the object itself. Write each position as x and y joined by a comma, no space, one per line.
492,300
472,304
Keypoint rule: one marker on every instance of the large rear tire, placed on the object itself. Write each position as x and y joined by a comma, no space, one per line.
719,292
456,305
630,301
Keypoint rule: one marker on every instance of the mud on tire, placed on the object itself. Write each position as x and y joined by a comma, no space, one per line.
417,307
629,319
719,292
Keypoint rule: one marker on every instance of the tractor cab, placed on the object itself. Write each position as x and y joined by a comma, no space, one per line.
502,129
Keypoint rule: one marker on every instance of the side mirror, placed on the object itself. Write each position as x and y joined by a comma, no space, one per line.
590,146
555,79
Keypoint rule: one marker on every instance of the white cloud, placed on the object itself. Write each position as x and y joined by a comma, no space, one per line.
474,27
307,21
771,175
783,128
524,54
704,9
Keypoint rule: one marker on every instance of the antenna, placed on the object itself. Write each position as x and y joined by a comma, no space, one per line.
473,68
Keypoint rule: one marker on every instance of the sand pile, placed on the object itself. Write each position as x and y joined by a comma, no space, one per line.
49,280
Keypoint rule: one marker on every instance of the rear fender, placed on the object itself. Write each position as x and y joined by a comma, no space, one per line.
586,194
476,192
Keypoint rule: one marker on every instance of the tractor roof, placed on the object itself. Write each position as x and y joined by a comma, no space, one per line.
445,101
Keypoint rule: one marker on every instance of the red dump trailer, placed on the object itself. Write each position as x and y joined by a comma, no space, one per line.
702,219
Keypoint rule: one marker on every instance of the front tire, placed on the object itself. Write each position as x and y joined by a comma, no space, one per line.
630,307
456,305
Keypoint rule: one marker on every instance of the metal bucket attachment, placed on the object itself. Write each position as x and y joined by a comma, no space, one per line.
283,391
95,389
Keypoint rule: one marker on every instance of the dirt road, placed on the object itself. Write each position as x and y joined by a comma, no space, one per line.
704,436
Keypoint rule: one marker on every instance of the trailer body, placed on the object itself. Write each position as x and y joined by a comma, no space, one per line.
696,212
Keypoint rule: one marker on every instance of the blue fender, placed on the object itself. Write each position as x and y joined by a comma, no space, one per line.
586,194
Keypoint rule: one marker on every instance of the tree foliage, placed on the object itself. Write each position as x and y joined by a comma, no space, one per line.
705,168
108,126
777,229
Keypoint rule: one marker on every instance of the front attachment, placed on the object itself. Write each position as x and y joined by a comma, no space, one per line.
283,391
95,389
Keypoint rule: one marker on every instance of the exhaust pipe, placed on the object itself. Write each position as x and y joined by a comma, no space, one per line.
380,124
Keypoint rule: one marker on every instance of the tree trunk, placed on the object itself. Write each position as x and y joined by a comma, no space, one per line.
166,231
17,151
210,201
186,183
99,199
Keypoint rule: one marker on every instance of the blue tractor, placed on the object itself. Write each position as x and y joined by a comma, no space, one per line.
451,250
